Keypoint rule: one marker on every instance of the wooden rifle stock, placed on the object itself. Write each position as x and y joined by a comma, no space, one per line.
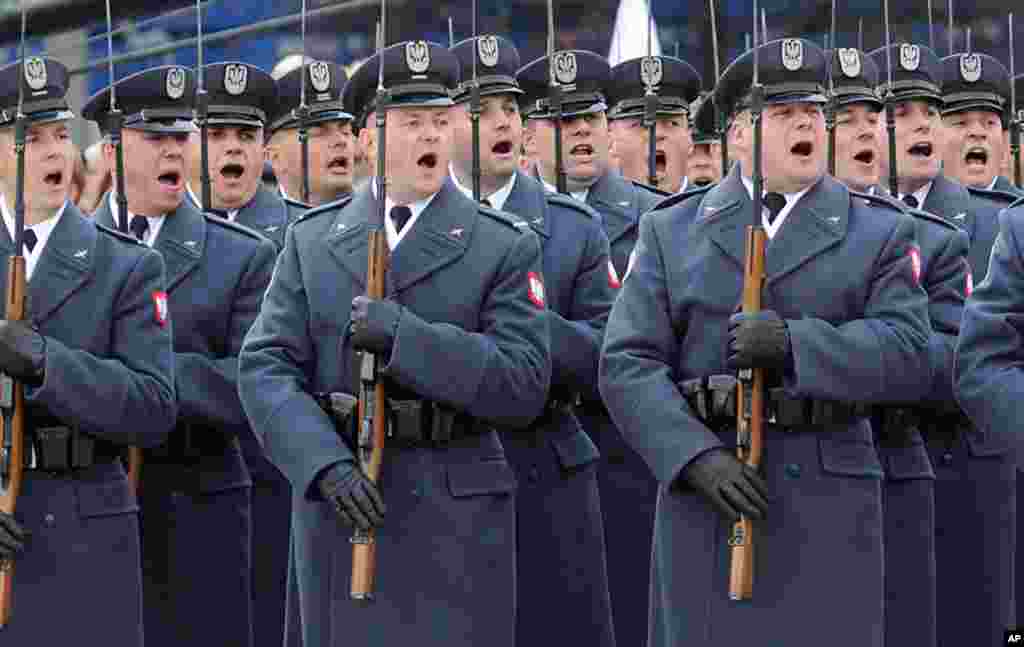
750,419
372,426
12,395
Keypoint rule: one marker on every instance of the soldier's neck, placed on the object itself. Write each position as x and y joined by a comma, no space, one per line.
488,183
571,185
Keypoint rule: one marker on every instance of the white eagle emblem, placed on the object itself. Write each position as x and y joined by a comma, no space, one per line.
487,47
650,71
320,75
792,54
35,73
175,83
910,57
236,79
970,67
563,64
849,62
417,56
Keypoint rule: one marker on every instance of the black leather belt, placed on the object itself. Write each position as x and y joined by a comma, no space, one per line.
188,443
422,423
713,400
61,449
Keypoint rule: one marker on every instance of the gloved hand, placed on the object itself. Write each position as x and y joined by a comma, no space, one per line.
373,324
12,537
22,351
760,340
733,487
354,497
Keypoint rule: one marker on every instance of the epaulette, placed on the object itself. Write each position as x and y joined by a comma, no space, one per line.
128,238
224,223
676,198
504,218
571,203
322,209
880,200
648,187
1018,203
994,194
931,217
295,203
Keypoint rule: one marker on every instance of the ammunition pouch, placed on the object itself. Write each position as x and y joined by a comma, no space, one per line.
61,449
713,400
187,443
422,423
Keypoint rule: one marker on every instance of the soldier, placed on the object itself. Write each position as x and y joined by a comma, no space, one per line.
909,488
560,540
195,487
464,345
94,356
677,84
844,324
970,468
627,488
976,89
704,165
331,143
240,98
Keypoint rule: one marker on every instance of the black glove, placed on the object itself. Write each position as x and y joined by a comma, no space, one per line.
760,340
355,497
373,324
733,487
12,537
22,351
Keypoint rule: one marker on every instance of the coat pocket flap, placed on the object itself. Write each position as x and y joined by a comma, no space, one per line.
572,445
105,498
910,462
492,476
849,454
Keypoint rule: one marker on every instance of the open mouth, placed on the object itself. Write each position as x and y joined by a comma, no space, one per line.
802,149
339,163
502,148
865,156
428,161
232,171
582,150
976,155
660,160
54,179
922,149
704,181
170,179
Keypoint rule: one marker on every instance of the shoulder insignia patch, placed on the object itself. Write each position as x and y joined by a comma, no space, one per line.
613,276
160,308
535,289
915,263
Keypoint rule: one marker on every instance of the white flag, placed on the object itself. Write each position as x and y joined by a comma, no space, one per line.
629,40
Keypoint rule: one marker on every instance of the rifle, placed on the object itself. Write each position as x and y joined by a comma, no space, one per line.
1015,117
720,119
372,405
115,122
302,114
12,394
555,99
651,106
202,114
830,113
474,111
750,390
890,110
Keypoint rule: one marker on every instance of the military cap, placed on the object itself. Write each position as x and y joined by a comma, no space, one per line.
974,81
792,70
497,61
239,94
703,129
854,78
916,72
417,73
42,82
674,80
324,81
583,77
160,99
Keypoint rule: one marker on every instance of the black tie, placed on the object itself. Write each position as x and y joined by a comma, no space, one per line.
30,240
487,203
911,201
400,216
774,202
139,226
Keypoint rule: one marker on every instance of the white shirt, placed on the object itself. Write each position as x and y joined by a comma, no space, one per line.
155,222
578,195
921,195
497,199
772,228
42,231
394,237
232,214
